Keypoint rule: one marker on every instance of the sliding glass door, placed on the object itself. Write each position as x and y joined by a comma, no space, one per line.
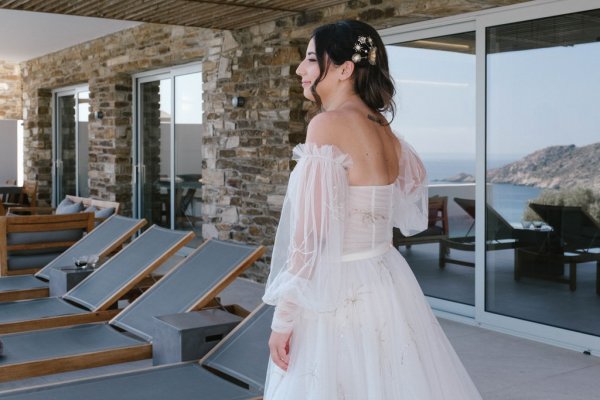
70,142
501,105
543,170
169,146
435,100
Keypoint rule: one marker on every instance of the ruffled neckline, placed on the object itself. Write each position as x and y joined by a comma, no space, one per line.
328,151
333,153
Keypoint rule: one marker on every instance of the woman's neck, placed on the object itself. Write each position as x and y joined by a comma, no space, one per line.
339,99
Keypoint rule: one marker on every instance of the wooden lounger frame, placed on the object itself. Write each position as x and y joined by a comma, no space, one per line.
25,294
103,313
120,355
76,362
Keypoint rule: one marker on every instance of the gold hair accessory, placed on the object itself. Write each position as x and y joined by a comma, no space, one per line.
364,49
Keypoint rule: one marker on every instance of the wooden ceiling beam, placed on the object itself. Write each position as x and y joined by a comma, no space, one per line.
215,14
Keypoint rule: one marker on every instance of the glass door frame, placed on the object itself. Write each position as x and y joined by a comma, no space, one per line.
479,22
138,167
57,161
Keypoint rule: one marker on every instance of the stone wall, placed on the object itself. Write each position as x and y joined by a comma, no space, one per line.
107,65
246,150
10,90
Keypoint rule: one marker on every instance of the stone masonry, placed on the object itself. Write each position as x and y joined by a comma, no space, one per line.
246,151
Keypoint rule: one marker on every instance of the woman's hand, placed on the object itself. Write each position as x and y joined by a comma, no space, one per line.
279,345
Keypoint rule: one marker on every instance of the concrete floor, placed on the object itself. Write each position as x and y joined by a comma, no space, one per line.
506,367
503,367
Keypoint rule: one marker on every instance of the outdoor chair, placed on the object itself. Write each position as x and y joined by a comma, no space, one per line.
93,298
500,235
28,243
101,241
10,198
573,239
437,226
102,209
27,197
191,285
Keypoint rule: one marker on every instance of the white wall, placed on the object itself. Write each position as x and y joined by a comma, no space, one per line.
8,150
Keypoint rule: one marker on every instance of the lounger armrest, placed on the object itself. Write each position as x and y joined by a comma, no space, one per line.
31,210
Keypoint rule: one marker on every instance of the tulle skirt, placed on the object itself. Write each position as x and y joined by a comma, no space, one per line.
382,342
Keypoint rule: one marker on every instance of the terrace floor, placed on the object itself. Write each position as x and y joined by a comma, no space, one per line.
503,367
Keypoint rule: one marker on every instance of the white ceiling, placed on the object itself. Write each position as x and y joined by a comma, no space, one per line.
25,35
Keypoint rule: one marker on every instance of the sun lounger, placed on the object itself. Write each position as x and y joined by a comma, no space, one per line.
574,239
190,285
91,300
499,235
234,370
103,240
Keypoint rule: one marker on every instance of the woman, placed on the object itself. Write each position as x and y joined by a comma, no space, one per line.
350,320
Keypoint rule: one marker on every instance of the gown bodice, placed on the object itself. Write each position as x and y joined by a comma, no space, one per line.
368,224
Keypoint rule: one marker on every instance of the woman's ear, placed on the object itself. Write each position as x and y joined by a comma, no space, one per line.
346,70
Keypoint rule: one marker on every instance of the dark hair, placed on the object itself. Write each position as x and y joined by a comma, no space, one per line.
334,43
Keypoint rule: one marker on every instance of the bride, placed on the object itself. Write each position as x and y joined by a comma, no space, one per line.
350,320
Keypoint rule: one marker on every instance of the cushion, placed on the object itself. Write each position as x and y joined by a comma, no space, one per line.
68,207
100,213
67,235
35,259
105,212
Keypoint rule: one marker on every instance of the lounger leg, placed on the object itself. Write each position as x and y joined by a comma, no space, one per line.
597,277
442,255
517,271
573,276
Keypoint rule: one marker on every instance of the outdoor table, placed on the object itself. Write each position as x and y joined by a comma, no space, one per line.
6,190
10,189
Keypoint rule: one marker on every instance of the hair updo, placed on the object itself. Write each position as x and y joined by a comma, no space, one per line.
336,43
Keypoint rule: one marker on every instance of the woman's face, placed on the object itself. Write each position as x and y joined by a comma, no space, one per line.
309,70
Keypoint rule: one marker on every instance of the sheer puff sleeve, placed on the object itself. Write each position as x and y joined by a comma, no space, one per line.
308,244
411,208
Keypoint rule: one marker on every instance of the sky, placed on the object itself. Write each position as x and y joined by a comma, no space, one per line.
536,98
188,95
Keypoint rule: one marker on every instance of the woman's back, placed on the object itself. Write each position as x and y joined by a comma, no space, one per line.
360,133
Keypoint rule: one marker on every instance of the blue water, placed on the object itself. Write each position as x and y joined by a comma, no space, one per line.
509,200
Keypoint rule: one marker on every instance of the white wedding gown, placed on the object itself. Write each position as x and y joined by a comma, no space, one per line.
361,327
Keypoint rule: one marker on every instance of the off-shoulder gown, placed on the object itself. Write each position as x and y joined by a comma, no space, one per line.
361,326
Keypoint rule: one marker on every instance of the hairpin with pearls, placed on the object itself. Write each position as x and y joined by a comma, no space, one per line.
364,49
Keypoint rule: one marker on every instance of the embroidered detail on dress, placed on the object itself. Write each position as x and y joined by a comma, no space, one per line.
356,296
368,216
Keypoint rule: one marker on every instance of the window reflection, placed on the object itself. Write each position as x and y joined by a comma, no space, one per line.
435,83
543,170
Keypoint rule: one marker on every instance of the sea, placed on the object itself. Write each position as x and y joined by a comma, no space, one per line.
509,200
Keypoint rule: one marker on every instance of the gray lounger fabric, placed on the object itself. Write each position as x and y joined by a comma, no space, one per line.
98,241
28,310
209,264
134,260
172,382
179,291
95,242
242,355
60,342
96,290
21,282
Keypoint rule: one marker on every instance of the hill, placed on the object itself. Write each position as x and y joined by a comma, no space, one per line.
554,167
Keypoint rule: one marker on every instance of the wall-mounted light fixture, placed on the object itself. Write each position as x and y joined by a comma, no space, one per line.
238,101
98,115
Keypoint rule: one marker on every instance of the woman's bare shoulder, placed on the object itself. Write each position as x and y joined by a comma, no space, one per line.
330,127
